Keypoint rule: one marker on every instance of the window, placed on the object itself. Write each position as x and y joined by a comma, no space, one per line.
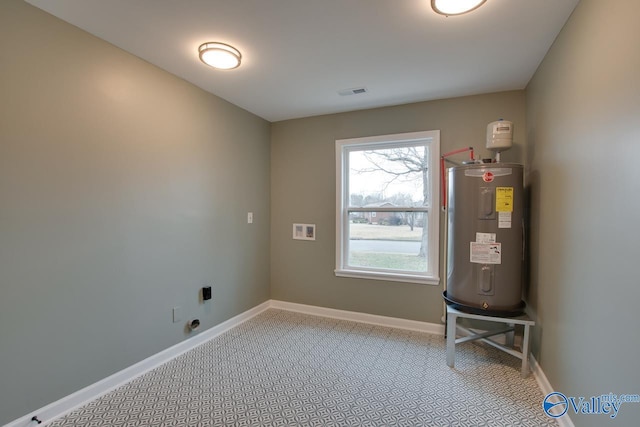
387,221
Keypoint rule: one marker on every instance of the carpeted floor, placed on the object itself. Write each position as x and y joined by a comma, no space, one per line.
282,368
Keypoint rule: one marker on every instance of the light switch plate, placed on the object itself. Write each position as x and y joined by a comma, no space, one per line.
177,314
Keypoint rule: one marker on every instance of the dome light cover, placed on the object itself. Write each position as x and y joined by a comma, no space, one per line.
455,7
220,55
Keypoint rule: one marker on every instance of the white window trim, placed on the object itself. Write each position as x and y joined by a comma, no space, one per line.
432,276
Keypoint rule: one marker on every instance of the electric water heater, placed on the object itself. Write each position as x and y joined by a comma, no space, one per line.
485,238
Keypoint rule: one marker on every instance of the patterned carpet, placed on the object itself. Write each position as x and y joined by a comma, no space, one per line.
288,369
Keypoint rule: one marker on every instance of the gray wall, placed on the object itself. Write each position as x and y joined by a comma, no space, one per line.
583,136
123,190
303,190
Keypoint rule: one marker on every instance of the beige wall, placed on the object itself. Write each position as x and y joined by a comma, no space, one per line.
303,190
583,135
123,190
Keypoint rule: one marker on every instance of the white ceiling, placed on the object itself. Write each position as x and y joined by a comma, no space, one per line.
298,54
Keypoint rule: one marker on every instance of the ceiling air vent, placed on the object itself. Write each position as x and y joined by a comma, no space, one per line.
352,91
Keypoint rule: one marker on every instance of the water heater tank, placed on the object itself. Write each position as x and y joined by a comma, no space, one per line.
485,238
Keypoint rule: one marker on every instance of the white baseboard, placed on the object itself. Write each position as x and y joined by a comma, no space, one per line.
373,319
81,397
545,386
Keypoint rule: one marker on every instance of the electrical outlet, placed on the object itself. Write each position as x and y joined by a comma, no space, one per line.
177,314
250,218
206,293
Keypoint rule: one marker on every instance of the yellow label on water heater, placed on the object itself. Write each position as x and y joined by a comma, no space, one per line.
504,199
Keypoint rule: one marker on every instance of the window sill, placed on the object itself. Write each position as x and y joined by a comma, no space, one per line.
391,277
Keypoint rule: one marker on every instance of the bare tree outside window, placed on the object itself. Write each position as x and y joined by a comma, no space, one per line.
400,168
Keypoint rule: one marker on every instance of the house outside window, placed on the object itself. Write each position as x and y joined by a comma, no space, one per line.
387,220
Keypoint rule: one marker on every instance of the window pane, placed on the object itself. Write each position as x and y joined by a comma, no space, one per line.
388,240
388,177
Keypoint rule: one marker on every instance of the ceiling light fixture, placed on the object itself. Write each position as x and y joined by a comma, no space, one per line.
220,55
455,7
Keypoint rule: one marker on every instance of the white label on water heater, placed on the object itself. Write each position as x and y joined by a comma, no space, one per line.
485,253
485,237
504,219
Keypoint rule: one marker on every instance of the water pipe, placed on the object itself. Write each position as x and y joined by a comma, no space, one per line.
443,179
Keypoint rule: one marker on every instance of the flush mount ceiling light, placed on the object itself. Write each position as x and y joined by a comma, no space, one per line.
220,55
455,7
